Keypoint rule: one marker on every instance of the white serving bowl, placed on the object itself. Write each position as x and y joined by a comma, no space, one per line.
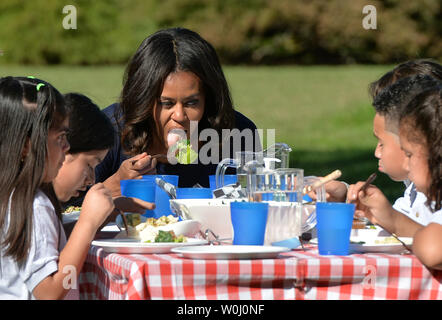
213,214
284,219
188,228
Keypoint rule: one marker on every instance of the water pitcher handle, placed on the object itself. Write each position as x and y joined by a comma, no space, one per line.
221,169
279,150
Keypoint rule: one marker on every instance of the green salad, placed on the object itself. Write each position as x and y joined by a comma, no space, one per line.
168,236
186,155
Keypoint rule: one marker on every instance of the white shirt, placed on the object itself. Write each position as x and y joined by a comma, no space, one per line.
410,204
424,211
48,239
437,217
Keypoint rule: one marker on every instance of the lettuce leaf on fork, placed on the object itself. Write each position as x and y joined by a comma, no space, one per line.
185,154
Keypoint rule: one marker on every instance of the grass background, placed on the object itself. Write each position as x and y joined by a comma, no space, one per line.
323,112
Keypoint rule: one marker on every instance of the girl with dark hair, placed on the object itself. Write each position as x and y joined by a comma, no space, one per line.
34,253
173,79
420,128
421,139
90,137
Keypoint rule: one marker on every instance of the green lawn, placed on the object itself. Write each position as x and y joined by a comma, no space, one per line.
322,112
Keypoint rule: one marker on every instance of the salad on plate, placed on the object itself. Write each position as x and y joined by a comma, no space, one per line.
163,229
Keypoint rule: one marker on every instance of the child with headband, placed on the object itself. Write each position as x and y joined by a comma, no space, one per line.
36,261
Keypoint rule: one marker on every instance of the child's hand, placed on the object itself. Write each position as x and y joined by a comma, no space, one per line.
370,203
97,205
336,191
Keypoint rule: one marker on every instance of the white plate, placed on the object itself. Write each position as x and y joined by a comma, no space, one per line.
134,246
370,245
229,252
71,216
369,232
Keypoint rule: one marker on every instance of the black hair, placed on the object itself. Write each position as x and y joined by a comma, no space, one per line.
406,69
392,99
421,121
162,53
89,128
29,108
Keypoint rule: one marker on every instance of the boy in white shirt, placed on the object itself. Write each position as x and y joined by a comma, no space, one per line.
388,99
388,105
420,139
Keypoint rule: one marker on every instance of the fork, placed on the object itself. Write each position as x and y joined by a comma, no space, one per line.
123,217
217,239
396,237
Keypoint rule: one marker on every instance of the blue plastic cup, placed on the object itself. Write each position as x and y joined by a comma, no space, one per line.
228,179
162,204
194,193
249,221
333,223
143,189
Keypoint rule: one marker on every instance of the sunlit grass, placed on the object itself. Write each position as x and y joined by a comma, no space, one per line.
101,84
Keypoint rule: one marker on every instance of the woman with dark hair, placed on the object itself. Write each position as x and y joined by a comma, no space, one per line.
173,81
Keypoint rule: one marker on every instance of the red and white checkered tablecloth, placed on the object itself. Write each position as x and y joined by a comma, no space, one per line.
293,275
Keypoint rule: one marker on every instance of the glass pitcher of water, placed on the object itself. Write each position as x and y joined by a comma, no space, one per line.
291,211
274,157
283,190
282,185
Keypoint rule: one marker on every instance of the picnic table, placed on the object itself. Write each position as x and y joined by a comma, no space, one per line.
293,275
